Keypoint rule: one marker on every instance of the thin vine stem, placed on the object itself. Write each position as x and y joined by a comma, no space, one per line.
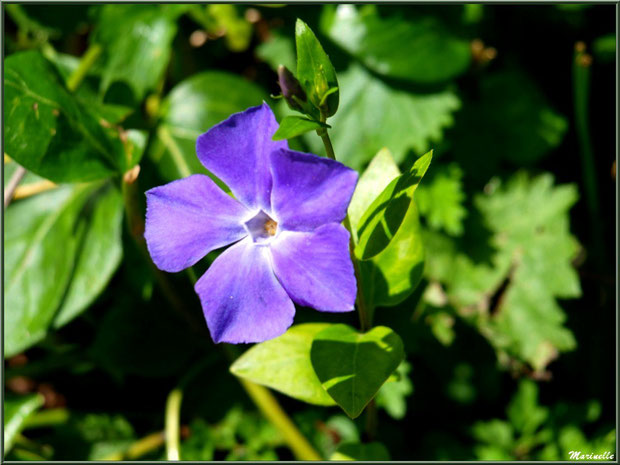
362,306
173,424
86,62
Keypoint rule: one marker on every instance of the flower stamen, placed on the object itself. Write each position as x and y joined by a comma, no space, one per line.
271,227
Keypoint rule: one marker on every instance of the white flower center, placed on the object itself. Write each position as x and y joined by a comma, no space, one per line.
261,227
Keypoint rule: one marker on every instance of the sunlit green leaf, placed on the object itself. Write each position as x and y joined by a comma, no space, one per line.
315,71
352,366
383,218
293,126
284,364
390,276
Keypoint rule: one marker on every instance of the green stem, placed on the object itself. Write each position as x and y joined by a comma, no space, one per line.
362,306
581,91
173,424
49,417
364,311
87,61
141,447
175,152
371,420
270,407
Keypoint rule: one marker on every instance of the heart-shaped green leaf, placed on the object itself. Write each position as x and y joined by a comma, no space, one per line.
284,364
383,218
353,366
293,126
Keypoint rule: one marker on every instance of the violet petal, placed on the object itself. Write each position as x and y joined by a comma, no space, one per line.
237,151
188,218
309,191
315,267
241,298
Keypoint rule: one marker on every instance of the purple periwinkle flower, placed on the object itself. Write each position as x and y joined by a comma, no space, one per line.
284,224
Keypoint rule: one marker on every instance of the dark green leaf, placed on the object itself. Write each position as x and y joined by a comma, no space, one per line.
383,218
373,115
88,91
51,242
420,50
293,126
193,107
16,412
137,43
48,132
284,364
373,451
353,366
315,71
98,257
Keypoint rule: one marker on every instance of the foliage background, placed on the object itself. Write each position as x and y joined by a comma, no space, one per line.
509,336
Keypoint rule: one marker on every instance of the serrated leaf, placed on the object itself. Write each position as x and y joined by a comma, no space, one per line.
16,411
284,364
528,252
420,50
383,218
48,132
293,126
43,278
352,366
191,108
440,200
373,115
315,71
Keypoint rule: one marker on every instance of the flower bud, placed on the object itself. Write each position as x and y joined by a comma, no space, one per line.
291,88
